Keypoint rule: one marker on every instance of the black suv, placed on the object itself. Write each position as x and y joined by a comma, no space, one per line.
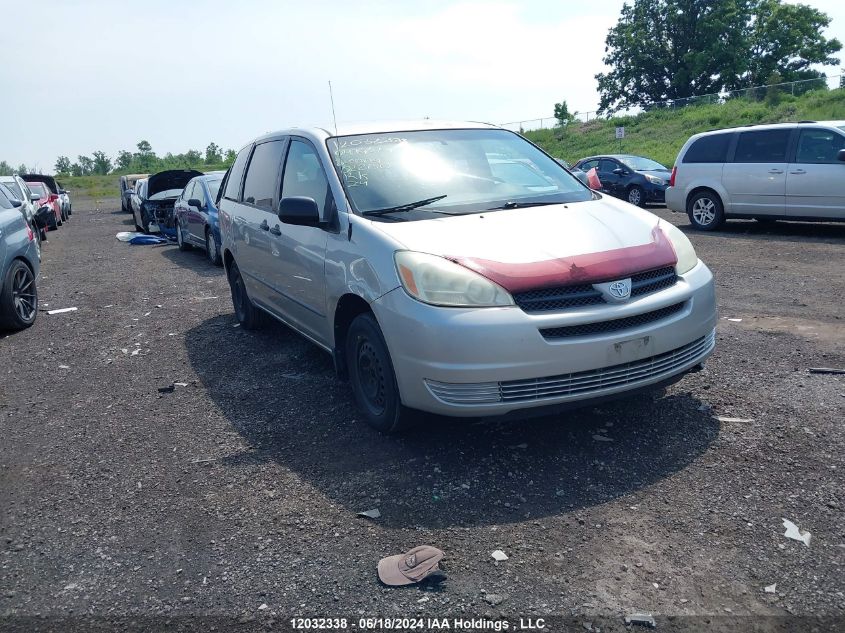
633,178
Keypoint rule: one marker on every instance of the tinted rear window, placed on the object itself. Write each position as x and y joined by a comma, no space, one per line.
233,184
260,183
708,149
764,146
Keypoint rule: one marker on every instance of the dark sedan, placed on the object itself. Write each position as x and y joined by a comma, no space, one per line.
196,216
637,179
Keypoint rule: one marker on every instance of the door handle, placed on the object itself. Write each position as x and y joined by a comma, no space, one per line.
775,171
798,171
276,230
264,226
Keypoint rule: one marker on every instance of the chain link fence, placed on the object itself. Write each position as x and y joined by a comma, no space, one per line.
757,93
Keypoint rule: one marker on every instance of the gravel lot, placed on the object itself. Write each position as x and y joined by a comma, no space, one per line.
236,495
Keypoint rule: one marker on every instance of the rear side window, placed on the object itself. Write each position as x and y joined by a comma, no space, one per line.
708,149
764,146
13,187
260,183
819,146
233,184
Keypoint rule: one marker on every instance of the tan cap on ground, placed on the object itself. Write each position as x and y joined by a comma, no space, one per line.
410,567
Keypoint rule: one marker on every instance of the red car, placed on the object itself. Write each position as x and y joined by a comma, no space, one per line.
49,199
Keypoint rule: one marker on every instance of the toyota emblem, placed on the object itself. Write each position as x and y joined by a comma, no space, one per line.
620,289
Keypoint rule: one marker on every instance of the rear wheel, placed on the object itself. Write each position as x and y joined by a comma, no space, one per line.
211,249
19,299
250,317
372,378
705,211
180,239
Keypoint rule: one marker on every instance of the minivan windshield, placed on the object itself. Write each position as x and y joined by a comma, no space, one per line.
638,163
422,174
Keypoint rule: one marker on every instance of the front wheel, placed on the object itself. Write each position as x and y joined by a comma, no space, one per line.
372,378
19,299
636,196
705,211
180,239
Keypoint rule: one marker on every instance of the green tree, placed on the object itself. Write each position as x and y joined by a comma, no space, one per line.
563,115
145,158
101,163
123,160
23,169
213,154
144,148
676,49
62,165
76,170
230,157
86,164
6,168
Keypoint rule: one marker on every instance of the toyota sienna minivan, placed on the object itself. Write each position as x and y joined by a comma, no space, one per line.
782,171
457,269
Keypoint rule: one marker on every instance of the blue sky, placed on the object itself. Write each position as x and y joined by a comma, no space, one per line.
101,75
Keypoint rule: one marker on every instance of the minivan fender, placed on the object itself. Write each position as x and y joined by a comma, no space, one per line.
708,185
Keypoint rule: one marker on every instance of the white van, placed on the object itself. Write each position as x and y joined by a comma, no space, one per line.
783,171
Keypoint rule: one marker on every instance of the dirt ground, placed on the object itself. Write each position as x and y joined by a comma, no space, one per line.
235,496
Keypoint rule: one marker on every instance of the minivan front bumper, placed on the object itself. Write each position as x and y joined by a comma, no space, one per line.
495,361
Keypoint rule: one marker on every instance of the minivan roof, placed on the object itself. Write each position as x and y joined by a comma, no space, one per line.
380,127
772,126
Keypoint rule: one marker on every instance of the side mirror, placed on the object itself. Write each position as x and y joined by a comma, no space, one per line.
193,202
841,155
62,191
15,202
619,171
34,197
300,211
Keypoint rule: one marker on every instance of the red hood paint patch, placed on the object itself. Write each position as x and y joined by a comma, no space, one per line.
578,269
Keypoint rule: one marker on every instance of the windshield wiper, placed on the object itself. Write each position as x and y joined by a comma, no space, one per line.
521,205
404,207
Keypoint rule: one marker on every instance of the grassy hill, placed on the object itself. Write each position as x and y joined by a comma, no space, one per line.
659,134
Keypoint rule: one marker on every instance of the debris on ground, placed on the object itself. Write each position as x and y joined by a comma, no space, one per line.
62,310
771,588
370,514
724,418
411,567
125,236
498,555
826,370
64,366
602,438
733,320
640,619
795,534
493,599
169,389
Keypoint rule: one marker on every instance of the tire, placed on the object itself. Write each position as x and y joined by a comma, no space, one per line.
636,196
250,317
705,211
180,240
19,299
211,249
372,377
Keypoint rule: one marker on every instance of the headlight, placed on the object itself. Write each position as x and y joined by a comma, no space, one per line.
687,259
436,280
655,180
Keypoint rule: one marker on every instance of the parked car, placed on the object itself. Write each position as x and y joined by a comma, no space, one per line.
783,171
28,217
440,288
152,202
127,186
64,194
19,266
580,174
18,190
55,189
47,199
637,179
196,216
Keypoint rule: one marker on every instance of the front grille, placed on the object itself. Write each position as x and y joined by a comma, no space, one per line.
577,385
603,327
580,295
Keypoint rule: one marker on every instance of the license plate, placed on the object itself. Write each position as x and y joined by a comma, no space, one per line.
633,349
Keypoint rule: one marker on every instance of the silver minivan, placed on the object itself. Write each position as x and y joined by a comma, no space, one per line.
783,171
456,268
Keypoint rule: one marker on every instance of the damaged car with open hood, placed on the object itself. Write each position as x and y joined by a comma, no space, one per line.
154,198
457,269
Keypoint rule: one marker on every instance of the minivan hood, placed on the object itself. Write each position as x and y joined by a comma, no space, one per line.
537,247
171,179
